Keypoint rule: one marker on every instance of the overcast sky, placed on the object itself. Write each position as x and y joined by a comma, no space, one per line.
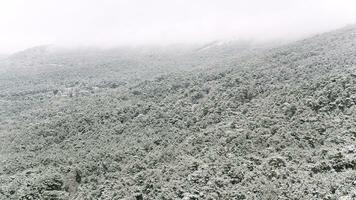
27,23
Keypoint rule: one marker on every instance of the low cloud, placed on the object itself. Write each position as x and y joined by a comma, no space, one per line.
137,22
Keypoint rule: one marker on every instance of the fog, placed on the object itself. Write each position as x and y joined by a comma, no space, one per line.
107,23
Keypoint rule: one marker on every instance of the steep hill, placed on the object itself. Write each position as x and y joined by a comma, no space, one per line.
269,124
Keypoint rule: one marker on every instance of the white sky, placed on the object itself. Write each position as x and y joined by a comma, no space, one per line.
26,23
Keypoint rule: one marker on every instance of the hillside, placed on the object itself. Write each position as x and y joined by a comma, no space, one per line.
275,123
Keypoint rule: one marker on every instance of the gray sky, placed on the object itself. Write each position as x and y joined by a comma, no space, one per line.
26,23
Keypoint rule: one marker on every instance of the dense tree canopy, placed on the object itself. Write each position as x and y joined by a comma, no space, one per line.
227,123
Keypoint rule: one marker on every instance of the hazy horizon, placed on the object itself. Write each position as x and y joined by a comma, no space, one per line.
109,23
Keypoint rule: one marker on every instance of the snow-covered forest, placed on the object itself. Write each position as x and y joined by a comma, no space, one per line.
231,120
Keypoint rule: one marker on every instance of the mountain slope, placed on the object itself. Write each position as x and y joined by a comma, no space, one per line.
278,124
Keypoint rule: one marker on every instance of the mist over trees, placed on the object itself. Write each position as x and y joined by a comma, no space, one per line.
230,121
